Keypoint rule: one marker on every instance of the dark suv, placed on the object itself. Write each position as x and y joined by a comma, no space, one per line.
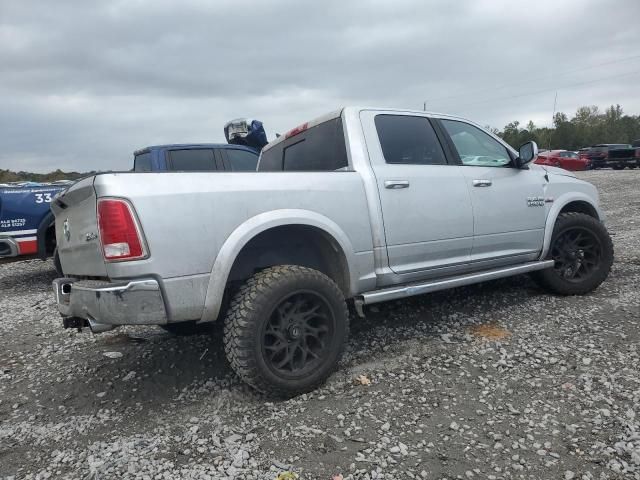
614,155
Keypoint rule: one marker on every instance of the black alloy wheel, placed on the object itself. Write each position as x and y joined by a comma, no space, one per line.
582,251
286,329
576,252
296,336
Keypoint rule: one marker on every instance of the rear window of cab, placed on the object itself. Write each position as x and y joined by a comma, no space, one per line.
320,148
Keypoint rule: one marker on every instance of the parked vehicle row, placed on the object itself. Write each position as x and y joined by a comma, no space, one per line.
356,207
615,155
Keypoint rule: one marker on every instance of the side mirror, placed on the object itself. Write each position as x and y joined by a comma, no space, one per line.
526,153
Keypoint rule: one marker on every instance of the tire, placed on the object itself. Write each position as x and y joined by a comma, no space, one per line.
57,264
579,269
618,167
184,329
286,312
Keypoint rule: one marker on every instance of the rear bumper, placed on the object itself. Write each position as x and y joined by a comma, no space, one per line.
102,303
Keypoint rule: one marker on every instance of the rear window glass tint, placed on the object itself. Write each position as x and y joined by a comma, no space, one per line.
242,160
196,159
409,139
142,162
320,148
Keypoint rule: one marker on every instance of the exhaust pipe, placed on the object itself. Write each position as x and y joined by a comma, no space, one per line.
8,247
80,323
99,327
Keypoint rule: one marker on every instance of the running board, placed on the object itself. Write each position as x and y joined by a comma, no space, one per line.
410,289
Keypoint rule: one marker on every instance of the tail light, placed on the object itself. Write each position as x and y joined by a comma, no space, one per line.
119,231
637,154
297,130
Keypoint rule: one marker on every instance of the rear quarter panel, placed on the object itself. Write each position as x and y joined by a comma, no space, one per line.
187,217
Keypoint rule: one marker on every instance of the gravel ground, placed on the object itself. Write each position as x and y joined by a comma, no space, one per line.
498,380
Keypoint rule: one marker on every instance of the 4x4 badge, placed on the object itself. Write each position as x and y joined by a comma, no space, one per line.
66,230
535,202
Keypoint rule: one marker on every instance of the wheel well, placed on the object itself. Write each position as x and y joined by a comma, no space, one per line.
50,239
302,245
580,207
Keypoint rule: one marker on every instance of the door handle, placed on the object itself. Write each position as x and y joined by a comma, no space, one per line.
482,183
395,184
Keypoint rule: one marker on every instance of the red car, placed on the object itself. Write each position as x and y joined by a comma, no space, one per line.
563,159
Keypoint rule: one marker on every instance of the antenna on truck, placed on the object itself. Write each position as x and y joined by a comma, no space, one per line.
553,116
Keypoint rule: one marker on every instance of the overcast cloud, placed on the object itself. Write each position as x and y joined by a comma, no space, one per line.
83,84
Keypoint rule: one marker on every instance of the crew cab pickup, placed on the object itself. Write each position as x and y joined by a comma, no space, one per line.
245,138
204,157
359,206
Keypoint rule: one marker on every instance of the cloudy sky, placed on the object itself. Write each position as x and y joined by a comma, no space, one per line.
83,84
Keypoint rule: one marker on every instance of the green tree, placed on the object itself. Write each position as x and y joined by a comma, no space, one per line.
587,127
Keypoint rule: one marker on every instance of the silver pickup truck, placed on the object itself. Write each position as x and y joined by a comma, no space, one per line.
356,207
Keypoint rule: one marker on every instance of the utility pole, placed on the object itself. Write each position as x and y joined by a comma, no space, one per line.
424,106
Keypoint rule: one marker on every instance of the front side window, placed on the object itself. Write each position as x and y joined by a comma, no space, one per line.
192,160
475,147
409,139
242,160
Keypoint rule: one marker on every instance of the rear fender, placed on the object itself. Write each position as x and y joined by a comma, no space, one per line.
256,225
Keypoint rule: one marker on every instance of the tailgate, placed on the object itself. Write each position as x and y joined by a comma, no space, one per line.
77,231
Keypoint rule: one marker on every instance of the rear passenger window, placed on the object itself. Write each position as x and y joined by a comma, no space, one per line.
194,160
320,148
408,139
142,162
242,160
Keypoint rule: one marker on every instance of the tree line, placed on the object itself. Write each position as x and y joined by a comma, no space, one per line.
7,176
587,127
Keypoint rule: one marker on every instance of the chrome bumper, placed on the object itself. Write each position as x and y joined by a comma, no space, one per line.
101,303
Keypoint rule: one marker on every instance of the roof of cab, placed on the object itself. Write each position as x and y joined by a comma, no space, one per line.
171,146
336,113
